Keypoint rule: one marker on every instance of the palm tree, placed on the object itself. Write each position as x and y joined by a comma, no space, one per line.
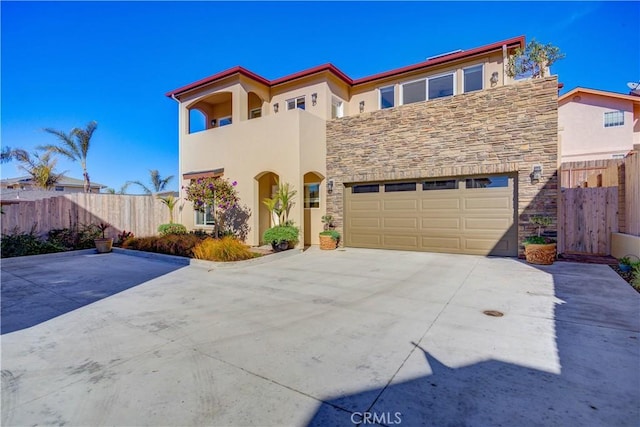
123,189
75,146
39,166
170,201
158,184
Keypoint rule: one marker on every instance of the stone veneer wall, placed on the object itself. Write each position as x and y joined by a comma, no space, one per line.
499,130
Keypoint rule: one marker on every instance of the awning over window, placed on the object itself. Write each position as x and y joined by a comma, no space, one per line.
213,173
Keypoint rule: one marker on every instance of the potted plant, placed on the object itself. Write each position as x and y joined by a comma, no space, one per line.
625,264
540,249
329,238
104,244
281,237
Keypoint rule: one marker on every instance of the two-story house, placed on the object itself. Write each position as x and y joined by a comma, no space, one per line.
447,155
597,124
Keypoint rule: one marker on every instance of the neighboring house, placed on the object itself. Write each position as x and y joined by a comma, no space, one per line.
22,188
597,125
436,156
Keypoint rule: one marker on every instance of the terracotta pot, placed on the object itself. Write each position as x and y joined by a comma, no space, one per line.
540,254
327,243
103,246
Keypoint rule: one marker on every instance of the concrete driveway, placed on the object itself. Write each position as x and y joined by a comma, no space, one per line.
338,338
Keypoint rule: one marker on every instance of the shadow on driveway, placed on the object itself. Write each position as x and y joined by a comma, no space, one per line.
595,382
38,288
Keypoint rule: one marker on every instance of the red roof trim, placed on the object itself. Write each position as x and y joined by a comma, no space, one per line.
520,41
442,59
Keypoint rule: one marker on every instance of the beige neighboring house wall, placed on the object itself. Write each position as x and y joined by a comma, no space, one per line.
291,145
581,121
22,187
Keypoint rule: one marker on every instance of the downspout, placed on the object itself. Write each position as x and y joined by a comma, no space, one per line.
173,96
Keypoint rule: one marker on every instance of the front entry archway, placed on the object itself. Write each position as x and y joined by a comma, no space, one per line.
267,187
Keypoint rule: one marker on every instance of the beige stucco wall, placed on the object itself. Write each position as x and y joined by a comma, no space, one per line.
289,144
624,244
584,137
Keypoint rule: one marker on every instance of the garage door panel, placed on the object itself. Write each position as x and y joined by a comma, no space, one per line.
429,243
399,241
440,224
400,205
401,223
365,205
488,203
363,222
440,204
487,224
456,220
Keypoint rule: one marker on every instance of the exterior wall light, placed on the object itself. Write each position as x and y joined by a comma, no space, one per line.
213,123
275,107
494,78
314,98
330,186
362,106
536,175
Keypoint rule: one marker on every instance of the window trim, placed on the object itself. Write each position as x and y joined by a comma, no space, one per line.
452,73
295,101
481,78
612,124
393,88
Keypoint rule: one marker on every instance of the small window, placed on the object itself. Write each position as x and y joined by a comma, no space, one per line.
387,97
399,186
337,109
367,188
414,92
473,78
59,188
204,217
312,195
296,103
488,182
613,118
441,86
9,187
224,121
449,184
255,113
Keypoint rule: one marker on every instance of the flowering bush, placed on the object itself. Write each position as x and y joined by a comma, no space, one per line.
219,193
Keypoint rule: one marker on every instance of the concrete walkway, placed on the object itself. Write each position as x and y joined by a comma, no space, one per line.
338,338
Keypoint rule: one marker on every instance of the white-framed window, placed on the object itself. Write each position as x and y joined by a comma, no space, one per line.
312,195
204,218
430,88
613,118
387,97
224,121
294,103
255,113
337,108
473,78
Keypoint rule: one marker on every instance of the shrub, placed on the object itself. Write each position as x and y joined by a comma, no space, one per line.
636,276
225,249
166,229
281,233
170,244
123,237
21,244
332,233
75,237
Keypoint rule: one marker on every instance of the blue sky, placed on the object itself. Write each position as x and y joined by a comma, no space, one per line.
65,64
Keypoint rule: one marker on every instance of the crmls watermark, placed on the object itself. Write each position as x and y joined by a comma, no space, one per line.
387,418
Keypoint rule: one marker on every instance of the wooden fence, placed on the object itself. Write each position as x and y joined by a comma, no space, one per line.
632,194
586,219
575,174
138,214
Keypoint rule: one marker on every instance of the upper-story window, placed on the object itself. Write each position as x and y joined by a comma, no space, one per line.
613,118
387,97
255,113
296,103
337,108
59,188
224,121
473,78
429,88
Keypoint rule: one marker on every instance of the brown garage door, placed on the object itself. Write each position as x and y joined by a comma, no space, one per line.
470,215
